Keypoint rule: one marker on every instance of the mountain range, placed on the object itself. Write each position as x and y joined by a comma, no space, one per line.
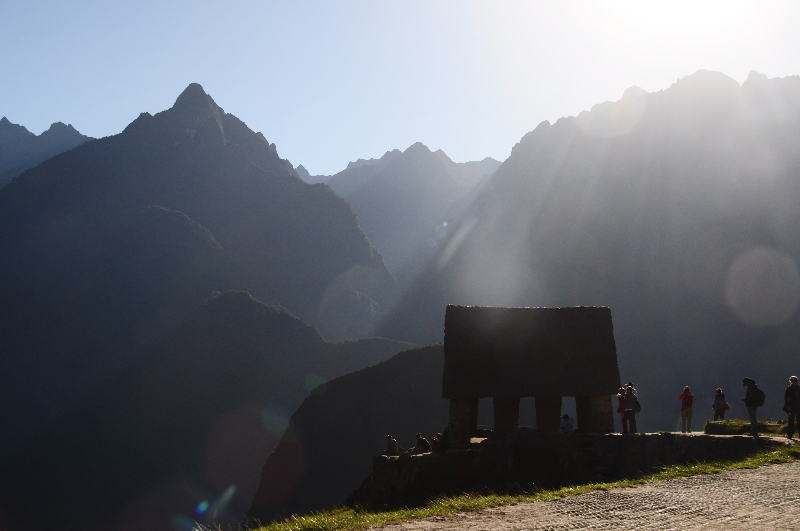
676,209
189,422
145,379
404,198
20,149
107,246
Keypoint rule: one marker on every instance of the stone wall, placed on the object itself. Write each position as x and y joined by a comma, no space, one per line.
531,459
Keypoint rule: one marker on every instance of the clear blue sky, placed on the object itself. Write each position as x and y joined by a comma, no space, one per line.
330,82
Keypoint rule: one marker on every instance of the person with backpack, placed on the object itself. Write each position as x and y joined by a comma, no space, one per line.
687,399
720,404
631,408
753,399
791,404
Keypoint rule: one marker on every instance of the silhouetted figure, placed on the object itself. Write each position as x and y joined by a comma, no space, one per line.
391,446
753,399
791,404
445,439
422,446
567,424
436,443
635,392
687,399
631,403
621,407
719,404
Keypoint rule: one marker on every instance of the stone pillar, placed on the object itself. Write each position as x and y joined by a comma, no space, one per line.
595,414
548,413
506,415
463,421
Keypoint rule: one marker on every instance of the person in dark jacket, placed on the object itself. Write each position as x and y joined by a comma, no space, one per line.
621,408
422,446
751,404
687,399
391,446
719,404
629,420
791,404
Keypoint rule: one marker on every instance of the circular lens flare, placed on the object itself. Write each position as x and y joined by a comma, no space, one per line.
763,287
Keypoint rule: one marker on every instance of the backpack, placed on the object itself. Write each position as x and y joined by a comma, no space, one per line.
637,407
687,401
759,397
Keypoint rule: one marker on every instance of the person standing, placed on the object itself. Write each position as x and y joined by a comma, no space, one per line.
629,420
791,404
753,399
719,404
687,399
567,424
621,408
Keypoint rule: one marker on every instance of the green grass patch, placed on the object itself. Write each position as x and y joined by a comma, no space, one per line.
742,427
344,519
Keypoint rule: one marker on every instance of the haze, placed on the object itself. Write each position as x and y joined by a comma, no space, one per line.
332,82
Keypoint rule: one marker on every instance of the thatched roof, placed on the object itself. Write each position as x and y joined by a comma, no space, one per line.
529,352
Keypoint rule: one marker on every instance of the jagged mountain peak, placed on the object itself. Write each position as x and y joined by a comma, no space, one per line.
10,131
417,148
193,95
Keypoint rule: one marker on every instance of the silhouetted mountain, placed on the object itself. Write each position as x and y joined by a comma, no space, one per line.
20,149
302,172
190,422
106,246
403,199
469,173
676,209
359,172
328,446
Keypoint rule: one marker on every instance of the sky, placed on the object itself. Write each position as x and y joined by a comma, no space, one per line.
331,82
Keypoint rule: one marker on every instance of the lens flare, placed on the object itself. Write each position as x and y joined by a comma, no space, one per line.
202,507
220,505
275,419
763,287
312,381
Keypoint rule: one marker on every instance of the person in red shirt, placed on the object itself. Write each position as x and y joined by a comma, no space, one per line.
686,398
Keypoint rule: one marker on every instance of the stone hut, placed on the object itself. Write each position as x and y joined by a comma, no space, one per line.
545,353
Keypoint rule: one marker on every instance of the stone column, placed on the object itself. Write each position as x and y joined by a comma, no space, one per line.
595,414
463,421
548,413
506,415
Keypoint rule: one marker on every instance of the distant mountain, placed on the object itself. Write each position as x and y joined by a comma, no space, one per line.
359,172
403,199
302,172
20,149
190,422
328,446
105,247
469,173
677,209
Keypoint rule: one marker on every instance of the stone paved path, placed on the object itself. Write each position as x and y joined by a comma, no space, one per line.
762,498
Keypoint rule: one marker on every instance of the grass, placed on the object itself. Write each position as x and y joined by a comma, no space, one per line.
742,427
344,519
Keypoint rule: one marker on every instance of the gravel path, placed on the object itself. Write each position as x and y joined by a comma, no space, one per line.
762,498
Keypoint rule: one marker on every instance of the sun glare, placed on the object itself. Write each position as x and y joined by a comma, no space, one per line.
675,24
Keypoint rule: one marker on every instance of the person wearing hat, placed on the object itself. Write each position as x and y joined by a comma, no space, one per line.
687,399
791,404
